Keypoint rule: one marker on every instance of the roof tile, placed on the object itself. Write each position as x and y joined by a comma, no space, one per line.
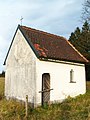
52,46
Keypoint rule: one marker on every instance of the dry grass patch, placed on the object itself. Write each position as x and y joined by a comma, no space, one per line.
71,109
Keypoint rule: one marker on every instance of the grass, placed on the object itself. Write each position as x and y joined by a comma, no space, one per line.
71,109
1,87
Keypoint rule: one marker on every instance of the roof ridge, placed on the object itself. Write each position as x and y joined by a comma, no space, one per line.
44,32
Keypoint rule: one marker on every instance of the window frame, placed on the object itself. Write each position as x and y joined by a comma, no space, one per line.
72,76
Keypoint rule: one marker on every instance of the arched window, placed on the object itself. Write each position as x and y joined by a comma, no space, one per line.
72,76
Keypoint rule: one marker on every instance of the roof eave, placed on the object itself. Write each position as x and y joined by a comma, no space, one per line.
59,60
10,46
29,42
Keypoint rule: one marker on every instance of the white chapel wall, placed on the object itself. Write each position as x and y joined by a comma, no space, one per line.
20,70
60,80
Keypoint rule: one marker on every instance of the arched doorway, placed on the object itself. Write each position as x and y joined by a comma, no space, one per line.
45,88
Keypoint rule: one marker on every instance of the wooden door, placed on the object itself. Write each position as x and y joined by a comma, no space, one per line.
45,88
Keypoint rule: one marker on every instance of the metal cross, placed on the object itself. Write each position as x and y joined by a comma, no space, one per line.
21,20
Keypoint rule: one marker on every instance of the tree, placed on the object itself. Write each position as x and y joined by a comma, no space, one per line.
80,38
85,28
86,38
2,74
72,38
75,36
86,11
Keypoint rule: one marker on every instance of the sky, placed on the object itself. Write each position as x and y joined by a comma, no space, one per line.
59,17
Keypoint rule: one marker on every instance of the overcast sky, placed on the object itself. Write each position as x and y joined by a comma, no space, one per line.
59,17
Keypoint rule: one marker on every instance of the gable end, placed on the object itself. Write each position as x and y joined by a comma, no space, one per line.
28,41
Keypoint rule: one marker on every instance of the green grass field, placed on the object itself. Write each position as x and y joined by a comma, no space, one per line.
71,109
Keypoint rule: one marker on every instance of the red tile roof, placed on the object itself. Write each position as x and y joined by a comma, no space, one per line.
51,46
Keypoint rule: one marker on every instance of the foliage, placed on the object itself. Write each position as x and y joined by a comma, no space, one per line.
2,74
81,39
86,11
71,109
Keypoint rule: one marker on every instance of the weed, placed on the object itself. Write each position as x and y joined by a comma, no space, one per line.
77,108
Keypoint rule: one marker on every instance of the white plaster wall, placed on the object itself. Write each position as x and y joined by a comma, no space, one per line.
20,79
24,75
60,80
